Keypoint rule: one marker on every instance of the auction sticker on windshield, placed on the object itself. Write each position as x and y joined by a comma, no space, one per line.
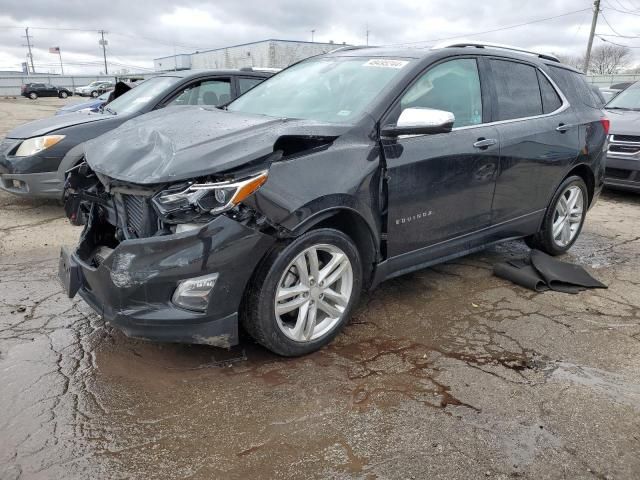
385,63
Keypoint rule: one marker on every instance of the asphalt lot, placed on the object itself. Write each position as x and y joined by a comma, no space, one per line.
445,373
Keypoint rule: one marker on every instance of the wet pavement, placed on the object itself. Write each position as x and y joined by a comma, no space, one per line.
444,373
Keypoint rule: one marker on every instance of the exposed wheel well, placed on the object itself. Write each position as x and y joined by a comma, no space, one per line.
584,172
357,229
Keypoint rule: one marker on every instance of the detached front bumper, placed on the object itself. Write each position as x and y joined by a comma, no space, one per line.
132,288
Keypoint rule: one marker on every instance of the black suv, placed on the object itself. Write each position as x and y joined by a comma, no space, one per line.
35,90
337,173
35,156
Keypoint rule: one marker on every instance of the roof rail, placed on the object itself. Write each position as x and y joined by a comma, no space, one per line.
345,48
260,69
501,46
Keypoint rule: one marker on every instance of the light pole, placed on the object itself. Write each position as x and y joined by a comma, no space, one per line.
104,44
594,22
26,31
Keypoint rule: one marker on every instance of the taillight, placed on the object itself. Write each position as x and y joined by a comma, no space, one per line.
605,124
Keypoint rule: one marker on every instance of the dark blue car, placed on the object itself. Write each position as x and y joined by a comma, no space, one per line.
92,105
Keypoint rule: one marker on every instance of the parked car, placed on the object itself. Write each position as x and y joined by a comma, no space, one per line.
35,90
623,153
609,93
333,175
34,157
600,98
94,89
90,106
622,85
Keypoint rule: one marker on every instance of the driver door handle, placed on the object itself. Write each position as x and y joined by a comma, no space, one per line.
563,127
484,143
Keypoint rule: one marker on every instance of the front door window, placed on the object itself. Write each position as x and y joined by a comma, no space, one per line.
453,86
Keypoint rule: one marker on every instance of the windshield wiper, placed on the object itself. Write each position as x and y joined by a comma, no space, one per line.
619,108
112,112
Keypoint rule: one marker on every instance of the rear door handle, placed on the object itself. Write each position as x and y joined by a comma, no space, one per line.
485,143
563,127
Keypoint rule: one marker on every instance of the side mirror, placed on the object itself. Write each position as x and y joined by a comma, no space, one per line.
420,121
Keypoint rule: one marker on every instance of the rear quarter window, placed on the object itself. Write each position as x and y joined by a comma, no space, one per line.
574,86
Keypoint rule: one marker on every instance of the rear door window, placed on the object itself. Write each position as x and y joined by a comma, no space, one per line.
517,90
550,99
452,86
247,83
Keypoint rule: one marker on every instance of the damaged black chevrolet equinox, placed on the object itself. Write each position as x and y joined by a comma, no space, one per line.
339,172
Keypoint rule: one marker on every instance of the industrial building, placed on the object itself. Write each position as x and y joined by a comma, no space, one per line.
270,53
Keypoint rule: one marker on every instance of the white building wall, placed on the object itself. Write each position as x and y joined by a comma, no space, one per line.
179,62
286,53
270,53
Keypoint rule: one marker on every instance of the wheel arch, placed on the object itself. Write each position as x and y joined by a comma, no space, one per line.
351,223
586,173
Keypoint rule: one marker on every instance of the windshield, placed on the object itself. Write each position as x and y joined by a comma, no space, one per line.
329,89
137,98
628,99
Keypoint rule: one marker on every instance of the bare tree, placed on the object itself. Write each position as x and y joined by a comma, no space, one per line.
608,59
571,60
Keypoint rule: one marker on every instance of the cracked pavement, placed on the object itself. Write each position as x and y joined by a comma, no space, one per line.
444,373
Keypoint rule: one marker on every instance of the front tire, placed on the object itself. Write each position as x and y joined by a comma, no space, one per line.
63,95
94,94
303,293
564,218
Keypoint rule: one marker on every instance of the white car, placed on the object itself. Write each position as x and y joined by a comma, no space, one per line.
94,88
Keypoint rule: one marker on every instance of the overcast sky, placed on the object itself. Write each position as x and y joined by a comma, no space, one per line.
139,31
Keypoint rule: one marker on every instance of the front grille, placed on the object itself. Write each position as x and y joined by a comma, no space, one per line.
629,149
617,173
625,138
624,146
140,219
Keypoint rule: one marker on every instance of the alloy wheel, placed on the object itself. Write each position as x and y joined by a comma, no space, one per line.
313,293
567,217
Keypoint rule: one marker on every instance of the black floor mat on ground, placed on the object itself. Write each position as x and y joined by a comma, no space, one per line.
542,272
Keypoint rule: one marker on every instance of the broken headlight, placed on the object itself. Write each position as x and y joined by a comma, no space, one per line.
212,198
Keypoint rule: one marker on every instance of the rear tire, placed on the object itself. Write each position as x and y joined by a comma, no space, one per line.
303,292
63,95
563,219
33,95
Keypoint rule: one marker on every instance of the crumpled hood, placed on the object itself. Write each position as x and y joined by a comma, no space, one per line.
51,124
186,142
624,122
